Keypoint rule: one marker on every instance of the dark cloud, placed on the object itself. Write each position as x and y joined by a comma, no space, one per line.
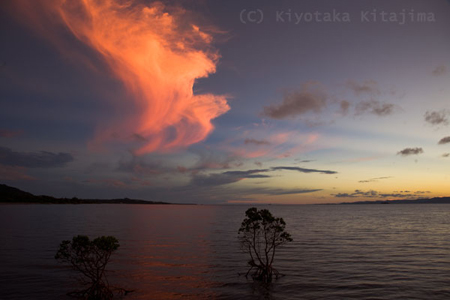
375,194
97,167
375,107
10,133
139,166
256,142
41,159
226,177
410,151
210,159
311,98
235,176
374,179
446,155
357,193
444,140
436,117
138,137
366,87
440,70
304,170
247,174
344,107
274,192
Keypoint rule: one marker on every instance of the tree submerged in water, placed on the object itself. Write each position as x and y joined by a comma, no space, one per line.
90,259
260,235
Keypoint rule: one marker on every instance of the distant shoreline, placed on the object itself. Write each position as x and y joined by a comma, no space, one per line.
436,200
12,195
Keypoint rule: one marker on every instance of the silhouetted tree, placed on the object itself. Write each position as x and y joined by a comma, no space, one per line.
90,259
260,235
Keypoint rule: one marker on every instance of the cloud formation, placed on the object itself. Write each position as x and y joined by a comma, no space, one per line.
310,98
226,177
375,107
376,194
410,151
304,170
357,193
374,179
366,87
157,52
436,117
440,70
344,107
446,155
275,192
256,142
444,140
41,159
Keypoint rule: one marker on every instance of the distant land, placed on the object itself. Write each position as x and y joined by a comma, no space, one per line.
437,200
13,195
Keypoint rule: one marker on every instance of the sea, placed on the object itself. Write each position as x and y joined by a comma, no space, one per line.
192,251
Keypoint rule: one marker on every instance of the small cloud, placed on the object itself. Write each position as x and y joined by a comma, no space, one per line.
310,98
436,117
357,193
275,192
304,160
446,155
440,70
375,107
410,151
374,179
139,166
422,192
256,142
228,177
41,159
138,137
304,170
366,87
376,194
344,107
444,140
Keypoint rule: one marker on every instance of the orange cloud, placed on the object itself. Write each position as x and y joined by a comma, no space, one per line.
156,54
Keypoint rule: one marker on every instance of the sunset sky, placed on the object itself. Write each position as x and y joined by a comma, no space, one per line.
226,101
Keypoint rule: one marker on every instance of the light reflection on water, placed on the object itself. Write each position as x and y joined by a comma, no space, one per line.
191,252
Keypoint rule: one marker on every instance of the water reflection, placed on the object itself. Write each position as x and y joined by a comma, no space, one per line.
192,252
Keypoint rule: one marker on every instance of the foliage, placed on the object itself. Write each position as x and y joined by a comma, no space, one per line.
90,259
260,235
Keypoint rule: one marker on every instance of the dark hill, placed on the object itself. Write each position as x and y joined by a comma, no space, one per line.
10,194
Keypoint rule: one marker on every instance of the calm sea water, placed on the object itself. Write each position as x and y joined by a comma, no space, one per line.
192,252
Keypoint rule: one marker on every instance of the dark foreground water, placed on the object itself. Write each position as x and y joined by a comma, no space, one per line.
191,252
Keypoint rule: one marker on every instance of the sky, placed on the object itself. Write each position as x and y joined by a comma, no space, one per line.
223,102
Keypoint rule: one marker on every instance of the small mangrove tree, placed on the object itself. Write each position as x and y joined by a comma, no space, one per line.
260,235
